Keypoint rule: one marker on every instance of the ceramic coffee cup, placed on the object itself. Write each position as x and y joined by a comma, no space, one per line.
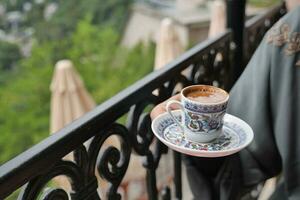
203,108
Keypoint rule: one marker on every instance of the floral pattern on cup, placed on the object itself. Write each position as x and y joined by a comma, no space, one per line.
206,123
205,108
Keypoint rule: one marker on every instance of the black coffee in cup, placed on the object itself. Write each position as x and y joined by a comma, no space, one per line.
206,94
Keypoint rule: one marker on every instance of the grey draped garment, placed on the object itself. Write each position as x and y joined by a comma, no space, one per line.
266,96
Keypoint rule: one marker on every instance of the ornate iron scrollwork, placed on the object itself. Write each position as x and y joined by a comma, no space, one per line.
113,162
213,67
81,173
34,187
55,194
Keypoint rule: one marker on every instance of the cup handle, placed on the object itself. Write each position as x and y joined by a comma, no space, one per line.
171,114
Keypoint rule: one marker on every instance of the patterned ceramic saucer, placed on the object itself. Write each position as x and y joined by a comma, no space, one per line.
236,135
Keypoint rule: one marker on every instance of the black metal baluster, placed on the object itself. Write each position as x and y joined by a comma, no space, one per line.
235,21
166,194
151,178
177,175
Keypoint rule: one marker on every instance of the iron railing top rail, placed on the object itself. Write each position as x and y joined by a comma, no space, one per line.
259,19
42,156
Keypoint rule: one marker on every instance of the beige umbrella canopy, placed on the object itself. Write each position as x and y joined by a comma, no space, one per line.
70,99
290,4
168,46
218,18
217,21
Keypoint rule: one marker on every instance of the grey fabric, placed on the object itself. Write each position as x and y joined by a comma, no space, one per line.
201,185
214,178
267,97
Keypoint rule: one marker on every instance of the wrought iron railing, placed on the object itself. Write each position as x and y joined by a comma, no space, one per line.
207,63
38,165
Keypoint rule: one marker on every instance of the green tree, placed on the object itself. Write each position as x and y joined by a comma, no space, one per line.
25,105
105,67
92,43
108,67
263,3
64,21
9,55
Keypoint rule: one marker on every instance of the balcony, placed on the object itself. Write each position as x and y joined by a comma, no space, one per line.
32,170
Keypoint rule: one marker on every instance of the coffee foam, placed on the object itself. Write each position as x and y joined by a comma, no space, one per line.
206,95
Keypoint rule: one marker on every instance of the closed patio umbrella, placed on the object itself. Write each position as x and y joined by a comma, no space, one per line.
218,18
290,4
168,45
217,21
70,99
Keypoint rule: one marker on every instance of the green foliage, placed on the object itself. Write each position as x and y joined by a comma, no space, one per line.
13,4
105,67
64,21
13,196
25,106
263,3
103,62
9,55
86,32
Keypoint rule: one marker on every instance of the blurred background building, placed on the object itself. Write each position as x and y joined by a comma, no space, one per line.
191,19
